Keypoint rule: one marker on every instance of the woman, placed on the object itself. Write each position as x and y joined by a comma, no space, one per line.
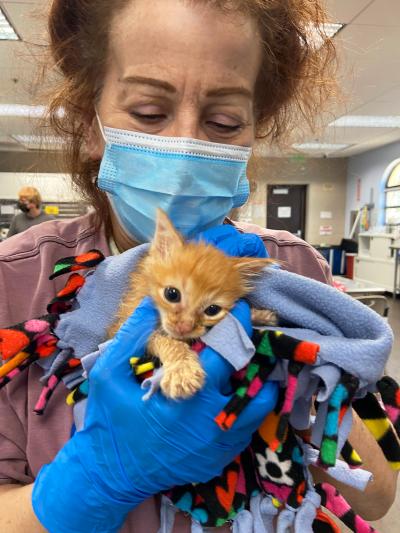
221,72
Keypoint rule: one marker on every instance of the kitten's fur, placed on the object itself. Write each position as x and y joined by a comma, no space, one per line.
204,277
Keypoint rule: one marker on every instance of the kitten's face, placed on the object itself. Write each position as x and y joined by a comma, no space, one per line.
190,300
194,285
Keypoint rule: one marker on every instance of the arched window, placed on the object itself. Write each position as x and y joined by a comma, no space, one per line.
392,195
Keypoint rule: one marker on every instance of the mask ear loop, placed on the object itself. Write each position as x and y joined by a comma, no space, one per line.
101,127
104,138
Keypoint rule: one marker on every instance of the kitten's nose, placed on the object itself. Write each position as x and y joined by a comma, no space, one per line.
183,328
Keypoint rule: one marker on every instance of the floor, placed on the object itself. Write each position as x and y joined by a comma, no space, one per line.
390,523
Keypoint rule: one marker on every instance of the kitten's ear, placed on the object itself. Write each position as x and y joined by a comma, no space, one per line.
166,236
250,266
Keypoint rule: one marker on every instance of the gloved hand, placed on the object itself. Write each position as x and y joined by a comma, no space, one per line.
229,240
130,449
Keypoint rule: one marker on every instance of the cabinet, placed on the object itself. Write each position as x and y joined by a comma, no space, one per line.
375,261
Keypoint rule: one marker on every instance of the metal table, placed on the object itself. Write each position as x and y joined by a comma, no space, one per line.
354,287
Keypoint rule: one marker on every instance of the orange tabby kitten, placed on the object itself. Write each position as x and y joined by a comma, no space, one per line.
194,286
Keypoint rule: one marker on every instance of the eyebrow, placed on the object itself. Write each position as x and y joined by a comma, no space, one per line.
141,80
227,91
222,91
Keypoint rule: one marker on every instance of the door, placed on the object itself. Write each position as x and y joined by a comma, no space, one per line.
286,208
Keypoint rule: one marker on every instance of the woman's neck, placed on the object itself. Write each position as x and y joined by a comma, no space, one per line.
121,239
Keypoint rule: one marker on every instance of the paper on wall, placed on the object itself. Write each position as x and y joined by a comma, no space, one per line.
7,209
284,212
326,230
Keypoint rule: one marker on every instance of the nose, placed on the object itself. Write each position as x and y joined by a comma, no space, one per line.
186,123
184,327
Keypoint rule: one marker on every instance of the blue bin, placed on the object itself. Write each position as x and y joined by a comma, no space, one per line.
335,257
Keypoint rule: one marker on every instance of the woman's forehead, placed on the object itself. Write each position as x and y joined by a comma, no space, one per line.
175,37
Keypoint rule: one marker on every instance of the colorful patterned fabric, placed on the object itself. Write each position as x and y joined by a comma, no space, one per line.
370,410
270,345
339,403
350,455
25,343
390,394
29,341
65,298
336,504
69,366
79,262
324,524
274,465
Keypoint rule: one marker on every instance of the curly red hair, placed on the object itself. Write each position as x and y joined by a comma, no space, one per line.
296,74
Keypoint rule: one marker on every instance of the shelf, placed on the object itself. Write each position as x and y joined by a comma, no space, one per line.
373,259
385,235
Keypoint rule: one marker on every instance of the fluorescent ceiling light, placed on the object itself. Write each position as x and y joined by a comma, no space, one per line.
7,32
22,110
332,28
36,141
324,32
367,121
320,147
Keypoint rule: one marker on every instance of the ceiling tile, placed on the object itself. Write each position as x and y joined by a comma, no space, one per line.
353,135
29,2
381,13
376,108
369,63
373,143
345,10
29,19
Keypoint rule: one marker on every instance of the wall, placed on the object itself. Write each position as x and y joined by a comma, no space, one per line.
326,180
32,161
52,187
40,169
369,169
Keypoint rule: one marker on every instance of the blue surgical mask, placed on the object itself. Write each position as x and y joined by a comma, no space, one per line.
195,182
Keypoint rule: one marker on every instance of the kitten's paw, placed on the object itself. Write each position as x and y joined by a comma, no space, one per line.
263,317
181,381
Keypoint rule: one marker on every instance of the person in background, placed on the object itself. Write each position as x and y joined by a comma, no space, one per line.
29,202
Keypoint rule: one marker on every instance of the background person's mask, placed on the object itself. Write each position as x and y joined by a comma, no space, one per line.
23,207
195,182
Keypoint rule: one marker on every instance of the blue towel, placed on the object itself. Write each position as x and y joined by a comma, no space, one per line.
352,336
98,302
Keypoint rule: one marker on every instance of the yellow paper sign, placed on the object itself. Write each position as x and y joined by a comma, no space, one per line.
51,210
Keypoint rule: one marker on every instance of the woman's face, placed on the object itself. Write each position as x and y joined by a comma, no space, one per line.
180,69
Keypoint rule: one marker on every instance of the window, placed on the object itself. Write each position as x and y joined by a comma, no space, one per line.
392,196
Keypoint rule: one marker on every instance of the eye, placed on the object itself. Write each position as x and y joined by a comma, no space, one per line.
212,310
149,117
224,127
172,295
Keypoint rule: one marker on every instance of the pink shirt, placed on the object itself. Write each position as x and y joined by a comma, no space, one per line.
28,441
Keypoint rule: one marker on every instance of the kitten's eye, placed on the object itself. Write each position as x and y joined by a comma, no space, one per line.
172,295
212,310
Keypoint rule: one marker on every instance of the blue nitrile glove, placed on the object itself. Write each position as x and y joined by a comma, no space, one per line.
129,449
229,240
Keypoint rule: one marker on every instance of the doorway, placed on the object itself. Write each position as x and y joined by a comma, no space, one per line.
286,208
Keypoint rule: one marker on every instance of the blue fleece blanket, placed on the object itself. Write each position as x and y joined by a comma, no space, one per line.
351,336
